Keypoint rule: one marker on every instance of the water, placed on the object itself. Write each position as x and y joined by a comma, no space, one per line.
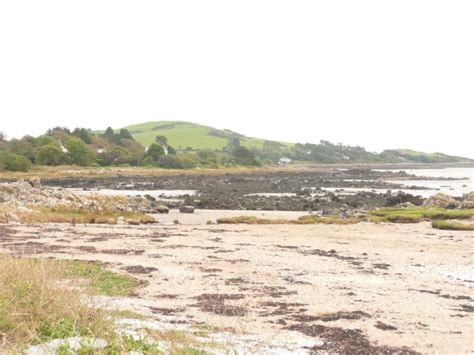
457,188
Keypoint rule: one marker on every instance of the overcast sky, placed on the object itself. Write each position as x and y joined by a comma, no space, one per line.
380,74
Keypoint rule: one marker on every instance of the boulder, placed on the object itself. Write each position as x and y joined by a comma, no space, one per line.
121,221
35,182
161,209
186,209
468,200
442,200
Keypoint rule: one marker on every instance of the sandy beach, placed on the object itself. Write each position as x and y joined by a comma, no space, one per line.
397,286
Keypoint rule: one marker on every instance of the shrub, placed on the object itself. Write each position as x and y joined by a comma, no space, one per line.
243,156
182,161
14,162
51,155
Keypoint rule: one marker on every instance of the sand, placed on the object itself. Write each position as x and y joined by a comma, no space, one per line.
401,285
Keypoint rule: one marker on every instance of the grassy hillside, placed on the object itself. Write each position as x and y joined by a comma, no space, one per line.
404,155
185,134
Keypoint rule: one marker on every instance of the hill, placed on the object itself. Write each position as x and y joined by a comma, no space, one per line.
182,135
408,155
192,136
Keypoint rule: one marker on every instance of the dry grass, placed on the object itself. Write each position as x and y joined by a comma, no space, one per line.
37,304
301,220
42,300
44,172
73,216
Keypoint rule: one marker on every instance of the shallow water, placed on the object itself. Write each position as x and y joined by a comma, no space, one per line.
464,183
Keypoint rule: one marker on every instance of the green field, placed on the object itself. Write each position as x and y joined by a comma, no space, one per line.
182,135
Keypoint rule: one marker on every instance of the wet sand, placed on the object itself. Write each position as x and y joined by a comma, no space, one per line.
348,287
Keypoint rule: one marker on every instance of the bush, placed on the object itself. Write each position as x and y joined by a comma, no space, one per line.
182,161
14,162
51,155
243,156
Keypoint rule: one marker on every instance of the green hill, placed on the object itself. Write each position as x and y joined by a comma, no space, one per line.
408,155
183,135
186,135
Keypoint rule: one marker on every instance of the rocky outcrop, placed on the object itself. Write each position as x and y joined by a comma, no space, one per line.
443,201
468,200
31,194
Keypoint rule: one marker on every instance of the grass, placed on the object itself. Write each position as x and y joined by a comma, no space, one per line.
418,214
101,281
452,225
47,172
301,220
42,300
37,304
73,216
185,134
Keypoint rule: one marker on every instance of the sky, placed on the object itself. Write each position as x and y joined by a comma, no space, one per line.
378,74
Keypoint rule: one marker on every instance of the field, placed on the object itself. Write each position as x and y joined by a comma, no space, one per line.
182,135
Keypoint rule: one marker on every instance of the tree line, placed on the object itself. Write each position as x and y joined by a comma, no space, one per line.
83,147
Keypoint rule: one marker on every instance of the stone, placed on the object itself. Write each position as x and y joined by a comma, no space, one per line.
161,209
186,209
35,182
442,200
121,221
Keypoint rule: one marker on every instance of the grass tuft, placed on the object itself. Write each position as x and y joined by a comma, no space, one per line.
73,216
301,220
418,214
452,225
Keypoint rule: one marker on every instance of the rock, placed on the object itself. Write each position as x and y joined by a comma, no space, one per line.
35,182
468,200
121,221
406,204
12,217
161,209
442,200
186,209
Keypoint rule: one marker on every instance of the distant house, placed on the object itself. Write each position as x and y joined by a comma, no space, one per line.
63,148
284,161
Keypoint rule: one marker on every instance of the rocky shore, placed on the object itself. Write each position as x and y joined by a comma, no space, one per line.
32,194
281,191
333,191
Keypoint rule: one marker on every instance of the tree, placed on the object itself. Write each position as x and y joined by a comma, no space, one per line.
243,156
136,150
232,144
119,156
51,155
109,135
163,141
154,151
125,134
83,134
80,153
